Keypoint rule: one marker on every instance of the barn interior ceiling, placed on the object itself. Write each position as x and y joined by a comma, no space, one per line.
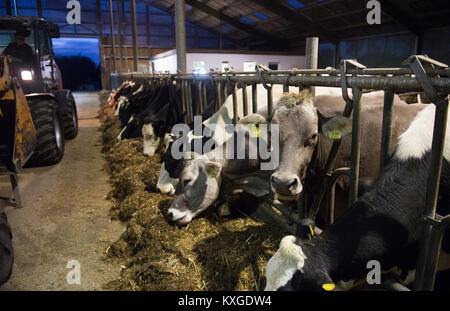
285,24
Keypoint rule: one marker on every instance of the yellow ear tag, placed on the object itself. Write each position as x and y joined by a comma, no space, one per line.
311,230
255,132
328,286
335,135
212,173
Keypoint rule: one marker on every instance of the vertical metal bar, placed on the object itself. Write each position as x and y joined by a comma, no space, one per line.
100,42
269,101
147,29
337,56
205,97
134,34
245,99
356,141
332,200
312,55
235,107
113,40
219,96
285,88
180,34
418,44
39,7
119,33
15,187
16,10
8,7
255,98
425,273
386,130
184,100
199,98
189,101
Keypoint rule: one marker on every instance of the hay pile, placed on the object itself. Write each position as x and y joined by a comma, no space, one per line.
211,253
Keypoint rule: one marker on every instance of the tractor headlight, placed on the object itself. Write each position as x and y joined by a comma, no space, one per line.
27,75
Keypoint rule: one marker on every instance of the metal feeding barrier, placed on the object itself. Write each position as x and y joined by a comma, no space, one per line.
419,74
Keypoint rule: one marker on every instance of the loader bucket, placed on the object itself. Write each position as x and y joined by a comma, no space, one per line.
17,132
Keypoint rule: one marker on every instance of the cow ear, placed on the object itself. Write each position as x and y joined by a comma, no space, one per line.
213,169
336,127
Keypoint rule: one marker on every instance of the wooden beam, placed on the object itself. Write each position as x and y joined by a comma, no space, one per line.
400,17
301,21
237,24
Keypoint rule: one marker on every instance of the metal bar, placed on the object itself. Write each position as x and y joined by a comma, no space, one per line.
255,97
356,147
269,101
312,55
184,100
119,32
423,278
16,10
204,97
8,7
219,96
333,178
134,34
235,107
180,34
113,40
199,107
189,101
147,29
386,129
399,84
434,248
245,99
39,7
15,187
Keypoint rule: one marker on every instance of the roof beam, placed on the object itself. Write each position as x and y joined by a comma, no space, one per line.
400,17
237,24
171,10
300,20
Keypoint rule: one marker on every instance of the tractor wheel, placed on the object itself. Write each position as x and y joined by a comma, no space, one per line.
6,250
70,119
50,135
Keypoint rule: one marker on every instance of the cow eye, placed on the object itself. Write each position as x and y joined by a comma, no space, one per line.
186,182
311,141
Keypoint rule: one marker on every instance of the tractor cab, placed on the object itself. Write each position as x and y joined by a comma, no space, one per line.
27,42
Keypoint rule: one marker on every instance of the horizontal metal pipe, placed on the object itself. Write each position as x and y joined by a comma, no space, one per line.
399,84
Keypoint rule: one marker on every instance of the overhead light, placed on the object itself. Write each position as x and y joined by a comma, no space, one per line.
27,75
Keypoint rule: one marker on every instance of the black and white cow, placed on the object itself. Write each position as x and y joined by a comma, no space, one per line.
384,224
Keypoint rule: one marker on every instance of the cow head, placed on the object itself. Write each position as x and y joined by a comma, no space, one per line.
289,269
155,137
299,122
198,189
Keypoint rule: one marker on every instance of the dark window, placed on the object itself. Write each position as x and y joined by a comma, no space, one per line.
44,42
273,66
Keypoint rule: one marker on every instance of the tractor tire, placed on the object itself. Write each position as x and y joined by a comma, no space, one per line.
70,119
6,250
50,134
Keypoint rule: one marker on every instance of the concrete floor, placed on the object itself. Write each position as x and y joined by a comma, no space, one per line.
65,215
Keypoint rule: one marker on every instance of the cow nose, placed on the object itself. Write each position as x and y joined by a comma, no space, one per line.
286,185
274,181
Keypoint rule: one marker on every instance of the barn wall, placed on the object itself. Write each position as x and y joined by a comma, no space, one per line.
168,62
388,51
